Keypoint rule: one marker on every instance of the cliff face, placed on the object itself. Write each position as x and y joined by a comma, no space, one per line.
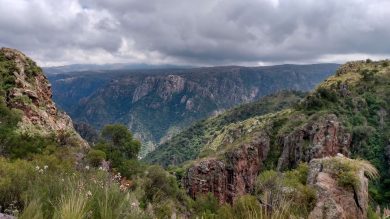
230,178
31,94
235,172
324,137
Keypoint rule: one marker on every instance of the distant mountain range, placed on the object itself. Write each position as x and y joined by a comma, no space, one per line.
158,103
104,67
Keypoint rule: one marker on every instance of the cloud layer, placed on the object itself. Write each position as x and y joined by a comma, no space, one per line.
201,32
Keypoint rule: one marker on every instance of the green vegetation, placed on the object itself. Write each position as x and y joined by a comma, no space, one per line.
287,190
157,104
50,177
358,97
188,144
118,144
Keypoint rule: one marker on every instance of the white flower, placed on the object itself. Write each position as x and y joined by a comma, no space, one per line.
100,168
87,167
45,167
37,168
40,170
89,194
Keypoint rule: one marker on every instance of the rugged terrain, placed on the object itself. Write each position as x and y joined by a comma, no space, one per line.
26,89
282,157
187,145
157,104
347,114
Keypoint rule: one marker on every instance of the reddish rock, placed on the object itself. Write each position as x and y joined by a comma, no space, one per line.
321,138
230,177
335,201
235,175
32,95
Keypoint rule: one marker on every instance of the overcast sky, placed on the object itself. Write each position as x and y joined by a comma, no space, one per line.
196,32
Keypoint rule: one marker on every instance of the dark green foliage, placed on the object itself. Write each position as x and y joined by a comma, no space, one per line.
95,157
367,75
131,168
347,179
118,144
160,185
206,204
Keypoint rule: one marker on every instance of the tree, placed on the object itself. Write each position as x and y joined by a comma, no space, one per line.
118,144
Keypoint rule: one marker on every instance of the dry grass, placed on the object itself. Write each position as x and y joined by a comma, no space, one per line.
344,163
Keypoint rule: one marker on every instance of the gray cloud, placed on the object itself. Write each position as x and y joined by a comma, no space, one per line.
202,32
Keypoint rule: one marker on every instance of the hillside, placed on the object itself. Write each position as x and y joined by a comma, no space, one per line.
187,145
281,157
347,114
156,104
27,108
48,171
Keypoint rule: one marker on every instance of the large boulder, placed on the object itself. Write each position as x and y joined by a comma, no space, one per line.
341,186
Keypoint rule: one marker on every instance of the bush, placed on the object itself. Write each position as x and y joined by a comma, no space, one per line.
118,144
348,178
206,204
279,189
95,157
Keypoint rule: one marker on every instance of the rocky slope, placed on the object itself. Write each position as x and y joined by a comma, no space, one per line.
188,144
347,114
27,90
156,104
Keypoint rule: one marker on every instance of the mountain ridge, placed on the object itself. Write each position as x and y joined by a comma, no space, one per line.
158,104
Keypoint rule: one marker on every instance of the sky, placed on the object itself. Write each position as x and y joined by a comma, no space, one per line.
196,32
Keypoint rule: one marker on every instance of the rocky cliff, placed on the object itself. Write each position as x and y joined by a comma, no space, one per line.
344,115
231,177
316,139
30,93
232,170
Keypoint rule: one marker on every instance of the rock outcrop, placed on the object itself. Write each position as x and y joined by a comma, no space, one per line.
235,174
335,201
231,177
31,94
320,138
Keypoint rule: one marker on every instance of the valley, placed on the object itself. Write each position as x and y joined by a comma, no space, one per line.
324,152
156,104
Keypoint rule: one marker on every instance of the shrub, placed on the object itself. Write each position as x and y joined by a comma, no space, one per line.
206,204
15,179
95,157
279,189
118,144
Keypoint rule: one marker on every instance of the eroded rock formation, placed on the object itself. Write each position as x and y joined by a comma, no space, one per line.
335,201
235,174
230,177
321,138
31,94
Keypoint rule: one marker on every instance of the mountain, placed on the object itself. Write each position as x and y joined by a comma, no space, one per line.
285,156
27,92
187,144
156,104
102,68
346,116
